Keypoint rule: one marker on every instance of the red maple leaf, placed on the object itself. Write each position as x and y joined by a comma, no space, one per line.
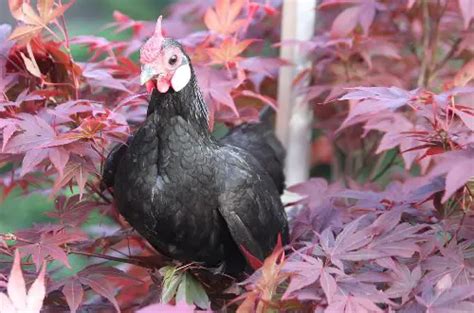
217,89
223,18
228,53
99,279
34,22
47,243
72,211
17,298
79,170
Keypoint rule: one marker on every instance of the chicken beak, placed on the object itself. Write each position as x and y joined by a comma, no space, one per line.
153,76
147,74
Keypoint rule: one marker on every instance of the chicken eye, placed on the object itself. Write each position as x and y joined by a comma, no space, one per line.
172,60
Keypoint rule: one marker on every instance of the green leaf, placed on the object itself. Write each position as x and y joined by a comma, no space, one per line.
171,279
191,291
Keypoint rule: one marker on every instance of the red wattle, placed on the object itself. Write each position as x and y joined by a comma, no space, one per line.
150,85
163,84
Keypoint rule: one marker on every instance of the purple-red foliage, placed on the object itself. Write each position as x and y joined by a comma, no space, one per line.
393,96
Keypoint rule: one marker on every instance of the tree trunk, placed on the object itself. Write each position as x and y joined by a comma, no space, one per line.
294,119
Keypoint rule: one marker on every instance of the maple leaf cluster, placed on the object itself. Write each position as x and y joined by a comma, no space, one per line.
390,227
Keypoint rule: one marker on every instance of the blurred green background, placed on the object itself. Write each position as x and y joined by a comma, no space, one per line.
85,17
89,16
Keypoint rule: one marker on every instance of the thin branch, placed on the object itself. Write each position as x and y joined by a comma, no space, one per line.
98,192
111,258
422,78
69,250
448,56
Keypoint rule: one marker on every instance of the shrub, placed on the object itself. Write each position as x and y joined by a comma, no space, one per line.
390,227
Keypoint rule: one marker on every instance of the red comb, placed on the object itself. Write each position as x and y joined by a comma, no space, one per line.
151,49
158,31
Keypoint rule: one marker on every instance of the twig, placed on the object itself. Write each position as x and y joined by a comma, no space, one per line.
99,193
111,258
448,56
89,254
422,78
22,263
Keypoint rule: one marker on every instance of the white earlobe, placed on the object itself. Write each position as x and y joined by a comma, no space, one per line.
181,77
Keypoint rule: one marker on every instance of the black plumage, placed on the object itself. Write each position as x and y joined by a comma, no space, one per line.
195,198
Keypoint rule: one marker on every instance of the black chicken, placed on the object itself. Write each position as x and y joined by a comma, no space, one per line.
195,198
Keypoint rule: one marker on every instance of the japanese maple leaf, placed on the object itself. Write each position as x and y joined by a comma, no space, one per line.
319,212
97,128
265,66
8,128
259,68
5,44
73,293
229,51
5,78
363,14
58,156
403,280
48,244
71,211
223,18
401,241
376,47
216,89
124,22
5,82
348,241
445,297
100,77
31,159
353,287
22,97
458,167
467,10
34,22
98,278
376,109
265,281
453,260
466,73
466,114
180,307
303,272
374,100
17,299
383,238
89,128
35,132
352,304
79,170
34,139
98,45
395,127
64,111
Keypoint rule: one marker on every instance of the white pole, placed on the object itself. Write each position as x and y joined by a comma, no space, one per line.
294,119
